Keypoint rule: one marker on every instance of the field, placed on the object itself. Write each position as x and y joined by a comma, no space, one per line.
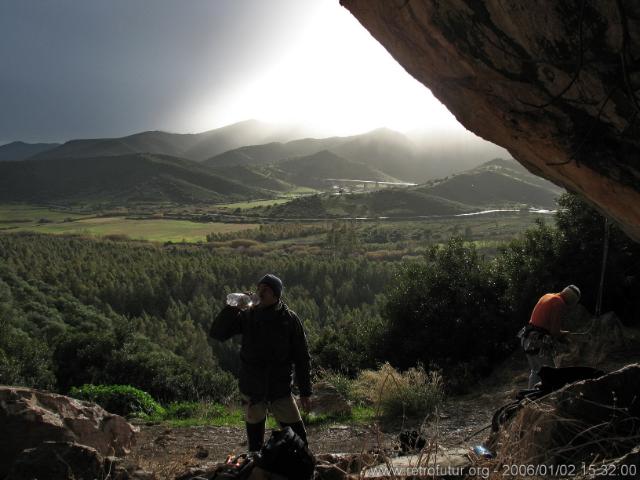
42,220
253,204
287,197
390,239
28,214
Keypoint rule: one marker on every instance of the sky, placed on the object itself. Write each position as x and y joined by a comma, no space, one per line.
107,68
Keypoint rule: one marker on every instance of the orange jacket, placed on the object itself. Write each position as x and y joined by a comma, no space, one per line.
548,313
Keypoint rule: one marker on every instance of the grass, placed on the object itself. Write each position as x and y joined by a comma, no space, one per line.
22,213
413,393
228,417
286,197
216,415
378,240
360,414
152,230
301,191
253,204
20,218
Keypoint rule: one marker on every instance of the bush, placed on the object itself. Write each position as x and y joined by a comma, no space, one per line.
545,259
243,242
182,410
528,267
81,358
445,310
201,410
413,393
169,377
122,400
24,360
94,358
339,381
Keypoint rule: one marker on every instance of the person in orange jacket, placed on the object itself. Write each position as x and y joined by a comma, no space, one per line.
545,328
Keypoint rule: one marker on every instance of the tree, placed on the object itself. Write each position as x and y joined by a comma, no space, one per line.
546,259
445,310
582,229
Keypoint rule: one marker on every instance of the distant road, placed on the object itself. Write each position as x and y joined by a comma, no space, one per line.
375,182
222,217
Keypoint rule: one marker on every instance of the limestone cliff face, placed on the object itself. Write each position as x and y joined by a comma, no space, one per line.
557,83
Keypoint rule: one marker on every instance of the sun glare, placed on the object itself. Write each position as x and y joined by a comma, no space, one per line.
334,78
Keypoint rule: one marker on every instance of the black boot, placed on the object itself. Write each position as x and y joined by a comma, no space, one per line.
255,435
298,428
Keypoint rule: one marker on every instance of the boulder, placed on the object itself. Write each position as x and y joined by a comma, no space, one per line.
581,422
328,401
58,461
72,461
30,417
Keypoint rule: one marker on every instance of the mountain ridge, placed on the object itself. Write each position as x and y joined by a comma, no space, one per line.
18,150
118,179
255,143
193,146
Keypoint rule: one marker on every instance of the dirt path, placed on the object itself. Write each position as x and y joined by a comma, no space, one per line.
169,451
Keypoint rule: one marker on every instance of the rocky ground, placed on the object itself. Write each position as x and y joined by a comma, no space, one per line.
169,451
459,423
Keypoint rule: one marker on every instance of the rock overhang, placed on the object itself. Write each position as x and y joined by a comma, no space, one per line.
555,83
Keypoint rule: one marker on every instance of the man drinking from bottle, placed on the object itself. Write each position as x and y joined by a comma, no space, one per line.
274,345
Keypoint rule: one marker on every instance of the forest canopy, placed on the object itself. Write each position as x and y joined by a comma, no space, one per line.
75,310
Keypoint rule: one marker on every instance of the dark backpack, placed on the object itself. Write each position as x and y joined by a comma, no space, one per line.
286,454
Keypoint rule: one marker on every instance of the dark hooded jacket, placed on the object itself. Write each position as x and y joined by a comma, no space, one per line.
273,342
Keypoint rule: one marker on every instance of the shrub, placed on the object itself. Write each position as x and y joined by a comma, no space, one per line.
24,360
339,381
94,358
167,376
413,393
201,410
445,310
243,242
385,254
182,410
123,400
81,358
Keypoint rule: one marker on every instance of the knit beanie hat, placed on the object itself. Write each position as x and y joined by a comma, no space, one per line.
573,292
274,283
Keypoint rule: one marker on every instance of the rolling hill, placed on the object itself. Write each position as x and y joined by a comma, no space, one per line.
253,143
388,152
274,152
385,150
123,179
254,177
498,182
16,151
383,203
314,170
195,146
253,155
495,184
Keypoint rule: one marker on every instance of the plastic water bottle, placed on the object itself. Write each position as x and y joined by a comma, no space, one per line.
242,300
482,451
